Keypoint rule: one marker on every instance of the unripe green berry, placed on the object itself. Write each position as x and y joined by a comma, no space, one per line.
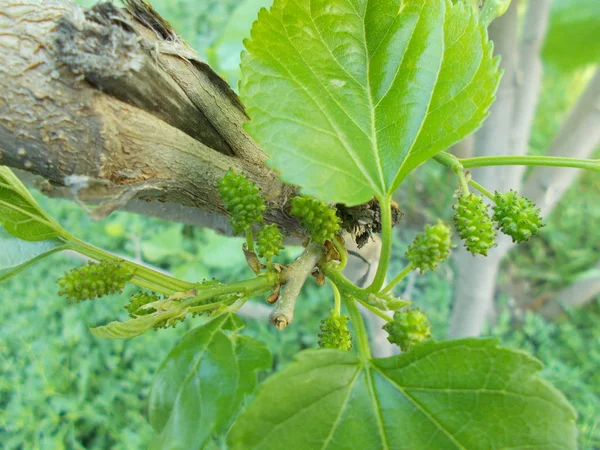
139,299
517,216
474,224
409,327
335,334
269,242
430,248
317,217
94,280
242,200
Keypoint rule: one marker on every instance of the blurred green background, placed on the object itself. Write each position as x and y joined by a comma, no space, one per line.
62,388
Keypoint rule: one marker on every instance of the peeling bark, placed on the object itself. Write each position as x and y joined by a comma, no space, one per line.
89,102
108,106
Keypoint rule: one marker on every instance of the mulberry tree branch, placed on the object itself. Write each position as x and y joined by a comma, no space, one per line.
283,313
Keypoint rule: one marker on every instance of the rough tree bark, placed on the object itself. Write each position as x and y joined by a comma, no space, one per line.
113,106
109,107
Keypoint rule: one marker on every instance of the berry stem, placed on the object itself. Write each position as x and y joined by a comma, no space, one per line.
386,244
481,189
374,310
454,164
341,248
450,161
463,182
551,161
397,279
360,331
249,239
337,299
332,271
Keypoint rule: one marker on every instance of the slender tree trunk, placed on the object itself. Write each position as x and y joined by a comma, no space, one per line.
476,276
579,137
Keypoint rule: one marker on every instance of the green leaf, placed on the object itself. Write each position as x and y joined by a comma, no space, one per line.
134,327
19,212
573,38
202,384
349,96
466,394
16,254
492,9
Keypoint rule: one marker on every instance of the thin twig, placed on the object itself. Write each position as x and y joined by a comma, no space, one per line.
283,313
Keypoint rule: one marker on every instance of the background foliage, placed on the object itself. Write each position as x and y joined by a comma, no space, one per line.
62,388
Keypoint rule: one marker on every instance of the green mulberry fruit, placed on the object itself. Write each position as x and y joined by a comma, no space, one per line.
430,248
242,200
409,327
139,299
474,224
269,242
335,334
94,280
317,217
517,216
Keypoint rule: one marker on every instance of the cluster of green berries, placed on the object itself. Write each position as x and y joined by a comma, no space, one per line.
94,280
269,242
474,224
242,200
431,247
335,334
140,299
319,219
517,216
409,327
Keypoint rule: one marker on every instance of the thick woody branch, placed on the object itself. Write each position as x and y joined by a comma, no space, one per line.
109,110
109,107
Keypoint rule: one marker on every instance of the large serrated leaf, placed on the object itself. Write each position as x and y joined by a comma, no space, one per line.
19,212
349,96
202,384
466,394
17,254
